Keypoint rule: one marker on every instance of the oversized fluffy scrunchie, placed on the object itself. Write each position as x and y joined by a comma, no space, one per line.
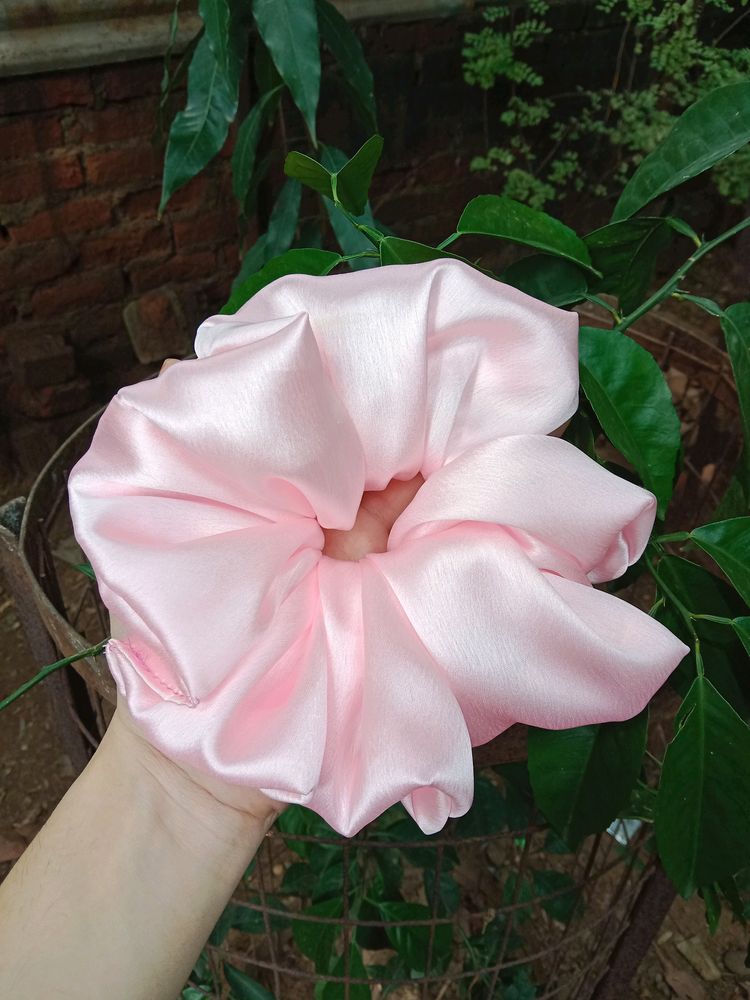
208,495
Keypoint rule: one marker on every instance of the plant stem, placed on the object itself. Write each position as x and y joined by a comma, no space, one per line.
713,618
49,669
675,536
671,284
447,241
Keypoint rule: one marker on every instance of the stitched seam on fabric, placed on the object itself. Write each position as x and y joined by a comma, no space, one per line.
192,702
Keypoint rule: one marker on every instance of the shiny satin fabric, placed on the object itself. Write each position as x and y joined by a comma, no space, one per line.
348,686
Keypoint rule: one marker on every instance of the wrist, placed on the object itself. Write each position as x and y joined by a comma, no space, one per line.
196,808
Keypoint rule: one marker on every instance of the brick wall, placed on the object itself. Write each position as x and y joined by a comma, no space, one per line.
95,290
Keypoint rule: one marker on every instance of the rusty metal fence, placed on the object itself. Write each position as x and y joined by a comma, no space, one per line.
577,933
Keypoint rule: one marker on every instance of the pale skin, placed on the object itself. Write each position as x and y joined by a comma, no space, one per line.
119,891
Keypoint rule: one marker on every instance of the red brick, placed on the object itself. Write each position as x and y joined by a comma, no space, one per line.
122,83
205,227
115,123
141,203
123,166
194,267
40,360
75,216
37,93
52,400
95,323
193,196
34,263
157,326
24,181
126,243
22,137
78,290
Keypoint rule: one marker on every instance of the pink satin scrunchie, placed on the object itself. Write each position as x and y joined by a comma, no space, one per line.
346,686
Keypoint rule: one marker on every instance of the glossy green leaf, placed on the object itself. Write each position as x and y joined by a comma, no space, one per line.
742,628
448,893
291,262
488,813
317,940
394,250
412,942
219,27
633,404
728,544
712,903
703,806
583,777
625,253
200,130
338,991
243,987
711,129
338,36
554,280
252,262
735,323
496,215
352,182
284,217
246,146
289,29
308,172
724,659
86,569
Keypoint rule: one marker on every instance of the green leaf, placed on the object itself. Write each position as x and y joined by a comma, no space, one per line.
552,279
397,251
742,628
711,129
317,940
641,805
291,262
625,252
347,51
703,806
200,130
449,894
728,544
289,29
220,27
246,146
349,238
412,942
338,991
712,903
488,813
562,890
724,659
496,215
283,221
86,569
633,404
351,184
243,987
582,778
735,323
309,172
253,261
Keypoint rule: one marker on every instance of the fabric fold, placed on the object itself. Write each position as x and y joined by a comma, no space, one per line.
601,520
